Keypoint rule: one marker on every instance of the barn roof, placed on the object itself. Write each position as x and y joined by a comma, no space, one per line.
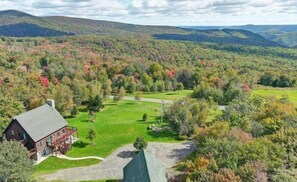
144,167
41,121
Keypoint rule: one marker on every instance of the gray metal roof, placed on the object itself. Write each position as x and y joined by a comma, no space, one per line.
41,121
144,167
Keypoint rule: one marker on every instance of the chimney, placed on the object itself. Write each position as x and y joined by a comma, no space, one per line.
51,103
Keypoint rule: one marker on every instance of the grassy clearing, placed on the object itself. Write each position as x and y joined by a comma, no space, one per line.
53,164
291,93
168,95
118,124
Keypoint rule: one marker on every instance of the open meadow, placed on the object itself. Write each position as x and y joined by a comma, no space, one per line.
291,93
168,95
120,123
116,125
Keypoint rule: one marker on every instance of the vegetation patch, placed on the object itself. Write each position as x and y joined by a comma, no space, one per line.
168,95
53,164
118,124
290,93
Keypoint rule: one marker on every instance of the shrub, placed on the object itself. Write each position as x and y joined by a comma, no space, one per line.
144,117
92,134
74,111
138,95
140,143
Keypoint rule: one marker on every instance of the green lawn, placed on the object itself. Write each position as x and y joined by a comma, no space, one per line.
52,164
168,95
116,125
291,93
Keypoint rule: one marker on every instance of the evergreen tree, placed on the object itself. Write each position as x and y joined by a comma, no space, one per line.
15,164
92,134
140,143
94,105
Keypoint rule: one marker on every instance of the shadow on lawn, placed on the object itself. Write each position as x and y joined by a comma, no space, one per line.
163,134
129,103
80,144
111,104
84,109
171,94
145,122
86,121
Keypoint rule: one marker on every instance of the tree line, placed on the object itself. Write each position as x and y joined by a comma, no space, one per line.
254,139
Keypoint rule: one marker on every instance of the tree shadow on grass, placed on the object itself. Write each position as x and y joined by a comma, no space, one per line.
171,94
129,103
69,117
86,121
111,104
84,109
163,134
80,144
140,121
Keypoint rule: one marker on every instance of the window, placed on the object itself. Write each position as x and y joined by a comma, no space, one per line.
12,132
49,139
63,131
40,143
24,136
58,134
44,152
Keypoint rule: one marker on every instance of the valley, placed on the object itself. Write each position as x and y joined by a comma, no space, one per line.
85,99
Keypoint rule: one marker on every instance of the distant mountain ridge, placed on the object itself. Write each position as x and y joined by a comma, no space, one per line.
285,35
24,29
224,36
14,13
19,24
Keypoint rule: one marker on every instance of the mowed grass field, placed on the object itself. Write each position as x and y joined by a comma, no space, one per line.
116,125
52,164
291,93
167,95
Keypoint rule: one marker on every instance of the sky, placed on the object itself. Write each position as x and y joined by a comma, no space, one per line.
165,12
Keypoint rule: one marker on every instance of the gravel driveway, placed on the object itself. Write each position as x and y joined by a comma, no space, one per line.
168,154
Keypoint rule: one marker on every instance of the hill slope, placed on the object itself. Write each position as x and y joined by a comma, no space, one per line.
224,36
283,34
18,24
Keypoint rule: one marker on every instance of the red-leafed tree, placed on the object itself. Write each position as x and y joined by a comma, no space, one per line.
87,69
203,62
246,88
56,81
170,74
44,81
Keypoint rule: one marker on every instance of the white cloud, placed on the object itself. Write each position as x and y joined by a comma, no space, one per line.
173,12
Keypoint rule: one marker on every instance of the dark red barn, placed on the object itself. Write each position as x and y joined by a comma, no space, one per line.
43,131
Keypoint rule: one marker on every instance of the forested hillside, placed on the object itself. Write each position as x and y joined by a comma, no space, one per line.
224,36
18,24
70,69
285,35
